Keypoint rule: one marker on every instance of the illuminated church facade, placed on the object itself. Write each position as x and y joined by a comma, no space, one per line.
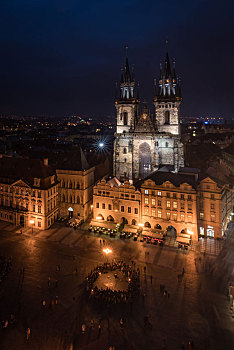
144,143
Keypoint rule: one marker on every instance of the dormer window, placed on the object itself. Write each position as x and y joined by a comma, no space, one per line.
52,179
36,182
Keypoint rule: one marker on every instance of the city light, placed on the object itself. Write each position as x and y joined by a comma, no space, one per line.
190,232
107,251
98,217
101,144
141,225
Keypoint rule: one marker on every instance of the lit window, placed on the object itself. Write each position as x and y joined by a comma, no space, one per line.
146,200
212,217
146,191
175,217
153,212
168,216
182,217
153,201
159,213
168,204
175,205
159,194
202,231
146,211
202,216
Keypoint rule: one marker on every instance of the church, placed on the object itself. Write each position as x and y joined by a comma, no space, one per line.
144,143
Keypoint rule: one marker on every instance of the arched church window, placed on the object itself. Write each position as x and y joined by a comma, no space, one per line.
167,117
125,118
125,159
125,150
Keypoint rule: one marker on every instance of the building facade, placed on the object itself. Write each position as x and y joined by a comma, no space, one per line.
143,143
28,192
75,193
167,201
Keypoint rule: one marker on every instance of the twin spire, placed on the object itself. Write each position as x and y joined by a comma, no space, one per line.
168,88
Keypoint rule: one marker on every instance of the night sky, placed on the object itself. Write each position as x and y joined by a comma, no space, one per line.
62,57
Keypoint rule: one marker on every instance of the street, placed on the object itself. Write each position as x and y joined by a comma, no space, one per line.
196,309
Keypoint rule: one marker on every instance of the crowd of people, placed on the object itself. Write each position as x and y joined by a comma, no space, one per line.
108,295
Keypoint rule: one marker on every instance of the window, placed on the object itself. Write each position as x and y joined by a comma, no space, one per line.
174,195
136,210
125,150
208,187
34,207
122,195
125,118
201,195
175,217
146,200
166,144
190,218
159,214
39,224
129,209
133,196
182,205
182,217
125,160
167,117
201,216
168,195
202,231
175,205
153,193
109,206
103,206
168,204
39,209
212,218
146,211
159,203
189,197
189,206
33,193
97,205
153,201
159,194
182,196
153,212
122,208
212,206
168,216
146,191
212,196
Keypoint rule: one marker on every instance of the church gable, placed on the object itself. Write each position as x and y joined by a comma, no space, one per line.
145,124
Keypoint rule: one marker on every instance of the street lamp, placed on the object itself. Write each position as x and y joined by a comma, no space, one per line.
107,251
32,222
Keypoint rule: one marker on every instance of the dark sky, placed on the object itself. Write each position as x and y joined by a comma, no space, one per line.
62,57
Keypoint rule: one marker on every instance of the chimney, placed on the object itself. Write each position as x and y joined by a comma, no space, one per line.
46,161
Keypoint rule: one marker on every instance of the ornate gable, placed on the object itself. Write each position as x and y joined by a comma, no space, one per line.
20,183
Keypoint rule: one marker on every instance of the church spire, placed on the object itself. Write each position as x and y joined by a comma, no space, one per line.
127,86
169,87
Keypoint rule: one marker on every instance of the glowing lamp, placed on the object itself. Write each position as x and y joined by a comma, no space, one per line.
107,251
99,218
31,222
141,225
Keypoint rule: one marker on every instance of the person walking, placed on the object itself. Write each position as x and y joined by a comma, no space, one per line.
28,332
